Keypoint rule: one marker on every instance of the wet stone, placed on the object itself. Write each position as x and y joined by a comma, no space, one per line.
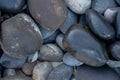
69,60
70,20
78,6
111,13
118,25
115,50
78,42
20,36
50,14
99,25
59,40
91,73
10,62
9,72
101,5
50,52
61,72
28,67
42,70
11,6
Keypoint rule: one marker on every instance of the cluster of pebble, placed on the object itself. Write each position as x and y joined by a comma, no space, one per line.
59,39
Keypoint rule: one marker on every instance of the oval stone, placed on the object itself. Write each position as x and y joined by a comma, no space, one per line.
61,72
20,36
90,73
11,6
50,14
78,6
99,25
78,42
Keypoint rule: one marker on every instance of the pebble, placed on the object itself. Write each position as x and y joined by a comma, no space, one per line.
28,67
101,73
55,64
59,40
10,62
101,5
78,6
33,57
16,77
70,20
61,72
118,25
99,25
69,60
12,6
9,72
78,42
20,37
115,65
115,50
41,71
110,14
46,33
50,52
50,14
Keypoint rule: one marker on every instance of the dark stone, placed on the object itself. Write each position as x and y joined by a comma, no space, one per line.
70,20
83,20
61,72
115,50
12,6
78,41
99,25
20,36
118,1
50,14
118,25
91,73
101,5
10,62
69,60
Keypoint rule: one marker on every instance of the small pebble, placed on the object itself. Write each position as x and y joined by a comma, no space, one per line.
33,57
101,5
61,72
50,52
41,71
10,62
78,6
99,25
69,60
9,72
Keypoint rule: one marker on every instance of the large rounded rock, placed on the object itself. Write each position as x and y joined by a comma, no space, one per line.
50,52
11,6
78,42
78,6
61,72
101,5
99,25
49,14
90,73
20,36
41,71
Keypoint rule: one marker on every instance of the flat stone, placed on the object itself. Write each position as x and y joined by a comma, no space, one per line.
11,6
50,14
50,52
78,6
111,13
115,49
10,62
101,5
20,36
91,73
41,71
70,20
78,41
69,60
99,25
61,72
